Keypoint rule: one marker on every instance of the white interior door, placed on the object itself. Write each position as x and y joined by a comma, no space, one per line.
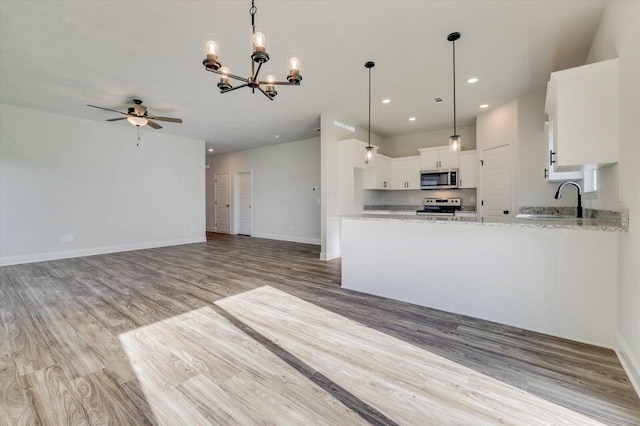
222,203
496,183
244,203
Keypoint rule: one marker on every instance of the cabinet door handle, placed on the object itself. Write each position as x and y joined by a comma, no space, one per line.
551,160
546,173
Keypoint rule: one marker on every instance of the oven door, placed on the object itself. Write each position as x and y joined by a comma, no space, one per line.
439,179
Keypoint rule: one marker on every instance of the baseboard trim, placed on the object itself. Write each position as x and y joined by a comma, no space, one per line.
328,255
212,229
629,363
293,239
55,255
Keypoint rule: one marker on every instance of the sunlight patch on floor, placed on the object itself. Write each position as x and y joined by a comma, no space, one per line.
200,368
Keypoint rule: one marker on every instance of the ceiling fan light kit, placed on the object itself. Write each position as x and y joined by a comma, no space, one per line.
137,115
258,58
455,141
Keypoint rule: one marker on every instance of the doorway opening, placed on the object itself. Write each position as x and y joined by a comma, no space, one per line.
242,201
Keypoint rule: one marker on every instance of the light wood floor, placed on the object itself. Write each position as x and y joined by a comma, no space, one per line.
241,330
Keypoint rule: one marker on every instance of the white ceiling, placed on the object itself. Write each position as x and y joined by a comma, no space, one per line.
59,56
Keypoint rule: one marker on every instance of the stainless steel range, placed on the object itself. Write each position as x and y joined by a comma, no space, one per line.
440,206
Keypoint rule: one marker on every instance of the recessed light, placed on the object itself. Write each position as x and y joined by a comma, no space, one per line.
484,106
412,119
386,101
277,136
473,80
210,149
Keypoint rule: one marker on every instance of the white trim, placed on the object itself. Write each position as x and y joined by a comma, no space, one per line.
328,255
629,363
211,228
293,239
55,255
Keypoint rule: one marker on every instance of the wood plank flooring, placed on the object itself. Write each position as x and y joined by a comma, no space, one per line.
241,330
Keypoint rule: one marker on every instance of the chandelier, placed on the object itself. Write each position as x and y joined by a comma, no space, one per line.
259,57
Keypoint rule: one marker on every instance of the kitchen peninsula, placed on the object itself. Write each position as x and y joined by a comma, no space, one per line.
556,276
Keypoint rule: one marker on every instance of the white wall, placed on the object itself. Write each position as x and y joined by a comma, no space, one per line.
498,126
406,145
520,123
61,175
284,205
618,36
546,280
333,182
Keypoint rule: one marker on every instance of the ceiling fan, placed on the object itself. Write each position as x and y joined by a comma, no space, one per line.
137,115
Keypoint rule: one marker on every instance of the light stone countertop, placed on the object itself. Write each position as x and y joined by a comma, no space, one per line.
585,224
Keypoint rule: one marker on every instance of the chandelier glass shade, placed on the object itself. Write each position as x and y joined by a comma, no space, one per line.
259,57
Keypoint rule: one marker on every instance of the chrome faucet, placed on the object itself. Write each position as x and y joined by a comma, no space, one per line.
559,195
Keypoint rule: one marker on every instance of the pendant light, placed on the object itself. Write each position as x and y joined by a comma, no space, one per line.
455,141
369,148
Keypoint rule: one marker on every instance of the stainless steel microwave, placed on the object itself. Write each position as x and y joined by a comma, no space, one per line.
439,179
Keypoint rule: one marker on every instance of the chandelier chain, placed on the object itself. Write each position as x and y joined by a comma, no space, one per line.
252,12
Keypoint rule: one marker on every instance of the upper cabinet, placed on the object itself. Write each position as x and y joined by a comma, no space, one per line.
582,104
405,172
468,170
438,157
551,174
383,172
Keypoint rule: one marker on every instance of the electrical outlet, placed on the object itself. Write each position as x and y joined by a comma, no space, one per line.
66,238
619,193
472,199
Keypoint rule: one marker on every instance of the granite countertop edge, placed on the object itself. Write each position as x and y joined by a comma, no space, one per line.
577,224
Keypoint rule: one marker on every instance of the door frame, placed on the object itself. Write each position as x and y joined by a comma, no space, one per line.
235,205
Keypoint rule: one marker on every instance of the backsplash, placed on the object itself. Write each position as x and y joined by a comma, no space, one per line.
416,197
621,217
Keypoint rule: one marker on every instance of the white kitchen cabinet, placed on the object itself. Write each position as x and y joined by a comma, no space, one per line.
582,104
438,157
550,171
405,172
468,170
383,172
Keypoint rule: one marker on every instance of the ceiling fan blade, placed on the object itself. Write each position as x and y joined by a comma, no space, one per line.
117,119
154,124
172,120
107,109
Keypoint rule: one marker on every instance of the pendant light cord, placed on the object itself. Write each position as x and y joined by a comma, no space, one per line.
455,131
369,107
